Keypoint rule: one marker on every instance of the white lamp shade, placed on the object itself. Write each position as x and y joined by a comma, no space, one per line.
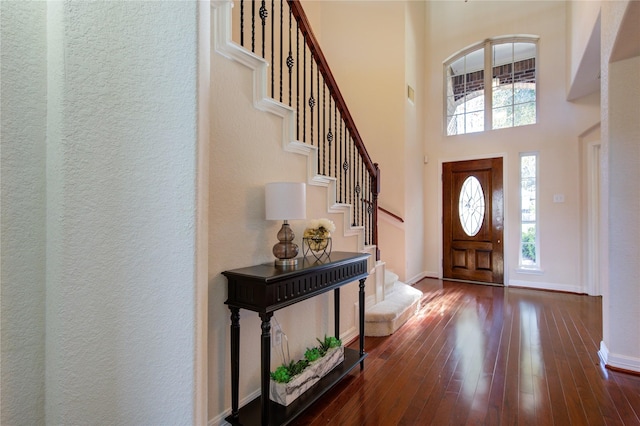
285,201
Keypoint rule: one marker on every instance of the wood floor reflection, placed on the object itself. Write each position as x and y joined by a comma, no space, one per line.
484,355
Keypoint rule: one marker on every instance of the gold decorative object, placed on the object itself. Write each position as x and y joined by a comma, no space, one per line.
317,237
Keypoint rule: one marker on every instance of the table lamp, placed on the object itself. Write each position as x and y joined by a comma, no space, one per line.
285,201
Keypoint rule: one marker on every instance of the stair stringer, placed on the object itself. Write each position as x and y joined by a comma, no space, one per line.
224,45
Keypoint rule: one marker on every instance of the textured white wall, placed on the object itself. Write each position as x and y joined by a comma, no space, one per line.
120,210
624,207
121,197
22,212
620,136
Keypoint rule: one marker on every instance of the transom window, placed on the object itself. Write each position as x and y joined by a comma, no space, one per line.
491,85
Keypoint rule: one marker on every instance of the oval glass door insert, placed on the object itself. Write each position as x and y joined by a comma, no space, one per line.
471,206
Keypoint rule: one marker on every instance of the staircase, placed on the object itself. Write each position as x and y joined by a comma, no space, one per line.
400,302
292,80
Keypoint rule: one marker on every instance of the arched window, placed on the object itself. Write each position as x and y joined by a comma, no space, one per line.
491,85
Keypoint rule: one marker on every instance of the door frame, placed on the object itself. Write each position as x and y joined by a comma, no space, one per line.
593,218
505,184
591,213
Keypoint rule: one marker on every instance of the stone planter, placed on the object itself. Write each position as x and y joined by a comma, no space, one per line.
286,393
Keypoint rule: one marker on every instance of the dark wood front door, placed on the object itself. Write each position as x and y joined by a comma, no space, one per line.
473,217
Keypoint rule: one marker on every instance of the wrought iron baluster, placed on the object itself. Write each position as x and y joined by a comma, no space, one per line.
367,206
264,14
350,170
281,61
329,137
339,145
335,146
362,193
304,90
347,175
375,191
370,207
324,130
253,26
312,101
273,48
290,60
318,112
353,185
242,23
357,190
298,78
345,165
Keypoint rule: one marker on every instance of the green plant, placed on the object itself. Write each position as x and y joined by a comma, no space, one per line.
328,343
281,375
529,244
311,354
285,372
296,368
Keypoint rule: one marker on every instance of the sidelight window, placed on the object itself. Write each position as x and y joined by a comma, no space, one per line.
491,85
529,249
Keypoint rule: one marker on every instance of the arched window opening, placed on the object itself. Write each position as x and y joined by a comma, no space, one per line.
491,86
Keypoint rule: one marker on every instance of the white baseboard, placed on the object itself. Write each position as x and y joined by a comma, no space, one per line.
350,334
421,275
622,362
569,288
415,279
219,420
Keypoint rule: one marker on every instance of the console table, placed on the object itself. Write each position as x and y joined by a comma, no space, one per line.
265,289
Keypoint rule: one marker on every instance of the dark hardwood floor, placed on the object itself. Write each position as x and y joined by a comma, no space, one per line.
485,355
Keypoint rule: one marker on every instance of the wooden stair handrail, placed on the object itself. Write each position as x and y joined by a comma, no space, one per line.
395,216
323,66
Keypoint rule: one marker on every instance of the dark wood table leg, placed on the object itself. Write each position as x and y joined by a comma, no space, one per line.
336,310
265,365
235,360
361,317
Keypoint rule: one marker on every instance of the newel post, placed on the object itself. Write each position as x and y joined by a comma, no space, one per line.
376,191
